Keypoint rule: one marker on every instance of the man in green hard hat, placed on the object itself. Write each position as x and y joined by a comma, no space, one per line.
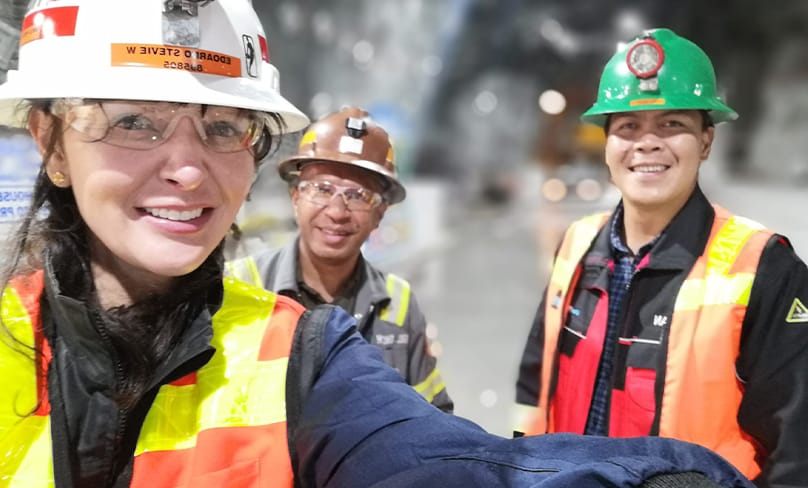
671,316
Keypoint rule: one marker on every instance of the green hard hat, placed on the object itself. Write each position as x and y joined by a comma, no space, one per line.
658,70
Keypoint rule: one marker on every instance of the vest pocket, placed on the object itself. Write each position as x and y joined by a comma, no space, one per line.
640,388
569,341
573,333
632,409
640,374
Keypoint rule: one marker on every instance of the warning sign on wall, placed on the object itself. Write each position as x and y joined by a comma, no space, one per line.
19,164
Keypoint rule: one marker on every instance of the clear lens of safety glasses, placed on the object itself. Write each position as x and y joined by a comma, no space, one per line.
144,125
321,193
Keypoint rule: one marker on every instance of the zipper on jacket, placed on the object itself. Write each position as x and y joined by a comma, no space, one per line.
62,464
122,412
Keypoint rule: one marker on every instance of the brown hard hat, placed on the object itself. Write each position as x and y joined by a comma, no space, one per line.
349,136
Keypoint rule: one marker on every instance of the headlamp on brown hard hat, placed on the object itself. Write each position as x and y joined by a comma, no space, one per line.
356,127
350,137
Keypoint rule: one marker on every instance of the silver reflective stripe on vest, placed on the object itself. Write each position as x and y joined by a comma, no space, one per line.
396,310
245,269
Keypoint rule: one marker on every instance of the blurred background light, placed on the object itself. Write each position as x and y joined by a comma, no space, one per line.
485,102
552,102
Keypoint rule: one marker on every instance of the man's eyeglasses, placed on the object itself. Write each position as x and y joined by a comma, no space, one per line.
145,125
321,193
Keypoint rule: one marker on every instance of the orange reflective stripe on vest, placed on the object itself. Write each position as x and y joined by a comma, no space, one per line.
701,394
224,425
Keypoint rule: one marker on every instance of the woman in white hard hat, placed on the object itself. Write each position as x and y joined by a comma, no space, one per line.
127,359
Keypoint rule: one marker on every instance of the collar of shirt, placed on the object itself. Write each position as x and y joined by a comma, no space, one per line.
619,248
345,297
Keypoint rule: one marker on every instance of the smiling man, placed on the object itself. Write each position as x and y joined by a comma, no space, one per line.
670,316
341,181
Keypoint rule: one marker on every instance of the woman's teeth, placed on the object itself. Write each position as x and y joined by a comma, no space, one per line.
177,215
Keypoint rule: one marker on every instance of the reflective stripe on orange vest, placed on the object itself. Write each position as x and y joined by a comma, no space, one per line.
701,394
224,425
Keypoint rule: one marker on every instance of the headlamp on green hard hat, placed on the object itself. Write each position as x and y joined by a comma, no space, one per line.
658,70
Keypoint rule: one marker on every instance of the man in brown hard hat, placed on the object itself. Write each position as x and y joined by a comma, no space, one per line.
341,181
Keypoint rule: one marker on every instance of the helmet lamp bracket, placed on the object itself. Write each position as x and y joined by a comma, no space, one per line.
189,6
356,127
658,69
644,59
649,84
181,22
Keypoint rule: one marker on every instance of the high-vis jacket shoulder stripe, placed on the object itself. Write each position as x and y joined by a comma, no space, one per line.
431,386
396,310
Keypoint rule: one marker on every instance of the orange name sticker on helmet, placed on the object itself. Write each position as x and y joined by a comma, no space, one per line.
647,101
49,22
176,57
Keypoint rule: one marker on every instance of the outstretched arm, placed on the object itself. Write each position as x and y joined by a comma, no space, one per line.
360,424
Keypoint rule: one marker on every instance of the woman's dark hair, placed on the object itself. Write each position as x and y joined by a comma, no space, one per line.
25,247
140,335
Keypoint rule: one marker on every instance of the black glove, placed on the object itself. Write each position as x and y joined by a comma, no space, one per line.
688,479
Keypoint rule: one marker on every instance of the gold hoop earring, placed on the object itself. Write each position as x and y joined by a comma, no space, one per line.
58,178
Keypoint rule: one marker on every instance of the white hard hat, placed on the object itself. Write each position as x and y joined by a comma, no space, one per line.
190,51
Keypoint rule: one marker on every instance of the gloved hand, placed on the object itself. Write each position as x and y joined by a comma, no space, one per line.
688,479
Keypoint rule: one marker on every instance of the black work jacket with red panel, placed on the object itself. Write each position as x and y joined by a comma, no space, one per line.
772,361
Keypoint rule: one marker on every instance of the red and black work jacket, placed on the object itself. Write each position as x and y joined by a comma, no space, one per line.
679,332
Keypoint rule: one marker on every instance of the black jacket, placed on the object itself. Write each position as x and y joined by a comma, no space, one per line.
772,361
93,438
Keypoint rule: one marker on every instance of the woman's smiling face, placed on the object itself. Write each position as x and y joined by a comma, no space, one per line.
153,214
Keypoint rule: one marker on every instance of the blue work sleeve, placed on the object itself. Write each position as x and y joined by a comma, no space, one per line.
362,425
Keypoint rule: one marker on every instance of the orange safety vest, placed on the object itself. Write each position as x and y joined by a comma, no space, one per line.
224,425
701,393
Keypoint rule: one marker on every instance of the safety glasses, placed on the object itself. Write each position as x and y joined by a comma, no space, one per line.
321,193
145,125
